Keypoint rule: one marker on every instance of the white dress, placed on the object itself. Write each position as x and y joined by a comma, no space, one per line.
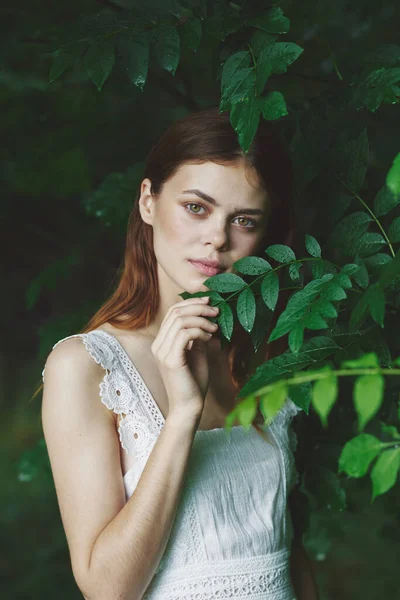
232,532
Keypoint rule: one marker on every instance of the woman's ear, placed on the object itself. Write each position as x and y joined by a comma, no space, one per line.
146,201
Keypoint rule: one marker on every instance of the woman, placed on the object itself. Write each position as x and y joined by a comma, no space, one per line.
157,500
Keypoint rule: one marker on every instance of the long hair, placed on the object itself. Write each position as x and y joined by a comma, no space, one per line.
205,135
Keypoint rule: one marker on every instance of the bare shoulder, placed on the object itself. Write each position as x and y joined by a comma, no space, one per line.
72,353
70,367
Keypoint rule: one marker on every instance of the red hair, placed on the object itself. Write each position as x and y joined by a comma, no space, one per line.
205,135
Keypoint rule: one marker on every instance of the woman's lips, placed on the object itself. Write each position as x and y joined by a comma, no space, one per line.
202,268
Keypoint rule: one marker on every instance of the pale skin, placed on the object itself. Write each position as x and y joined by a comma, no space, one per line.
80,431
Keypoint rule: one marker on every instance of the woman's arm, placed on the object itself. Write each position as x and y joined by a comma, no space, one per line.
115,545
302,573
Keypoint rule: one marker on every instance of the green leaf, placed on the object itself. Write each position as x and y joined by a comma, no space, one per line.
324,394
312,246
280,253
64,58
315,349
274,59
111,202
350,268
390,430
390,271
361,276
225,320
279,56
296,337
252,265
225,282
334,292
386,199
90,28
321,267
263,71
301,395
348,231
325,308
246,411
261,324
272,401
245,117
314,321
190,33
377,260
260,39
273,21
379,86
99,61
133,47
343,280
374,341
234,64
393,177
369,243
365,361
394,230
358,453
367,397
376,301
294,271
273,106
166,48
270,289
246,309
384,472
354,161
239,86
296,309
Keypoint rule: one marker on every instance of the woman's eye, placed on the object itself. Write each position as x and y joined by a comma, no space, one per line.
252,225
193,204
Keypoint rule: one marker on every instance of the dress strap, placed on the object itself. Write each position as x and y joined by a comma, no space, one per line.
282,428
120,393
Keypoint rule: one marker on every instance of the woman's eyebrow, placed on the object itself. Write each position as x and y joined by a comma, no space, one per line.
207,198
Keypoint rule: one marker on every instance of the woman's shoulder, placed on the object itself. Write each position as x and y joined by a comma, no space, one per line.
75,367
71,355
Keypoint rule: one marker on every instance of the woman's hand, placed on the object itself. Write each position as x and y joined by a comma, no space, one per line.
181,352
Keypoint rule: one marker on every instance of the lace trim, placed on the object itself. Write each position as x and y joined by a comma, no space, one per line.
124,392
139,385
282,426
259,577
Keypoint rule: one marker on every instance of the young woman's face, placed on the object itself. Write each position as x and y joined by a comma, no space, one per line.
188,227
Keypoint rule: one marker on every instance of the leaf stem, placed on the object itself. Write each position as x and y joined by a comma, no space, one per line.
333,60
371,212
305,377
